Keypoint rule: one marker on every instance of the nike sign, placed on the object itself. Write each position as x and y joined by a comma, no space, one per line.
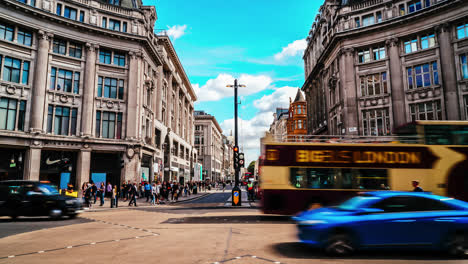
51,162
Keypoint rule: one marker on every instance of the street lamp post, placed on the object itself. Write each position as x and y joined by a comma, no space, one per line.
236,191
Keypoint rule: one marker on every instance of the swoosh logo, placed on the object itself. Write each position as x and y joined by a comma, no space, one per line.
51,162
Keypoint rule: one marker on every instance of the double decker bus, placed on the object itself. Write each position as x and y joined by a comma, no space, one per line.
300,172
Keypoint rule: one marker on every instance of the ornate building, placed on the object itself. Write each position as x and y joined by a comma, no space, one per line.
297,119
209,144
89,92
279,125
371,66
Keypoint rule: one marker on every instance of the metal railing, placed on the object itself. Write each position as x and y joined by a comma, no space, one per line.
345,139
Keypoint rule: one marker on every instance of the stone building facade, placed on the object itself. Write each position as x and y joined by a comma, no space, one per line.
209,145
297,115
373,65
279,125
228,158
88,91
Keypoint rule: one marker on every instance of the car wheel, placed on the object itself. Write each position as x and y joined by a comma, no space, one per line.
339,245
458,245
55,213
13,216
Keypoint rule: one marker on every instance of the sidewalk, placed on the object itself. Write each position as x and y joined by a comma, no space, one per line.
141,202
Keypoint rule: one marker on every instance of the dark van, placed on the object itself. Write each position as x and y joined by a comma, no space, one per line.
34,198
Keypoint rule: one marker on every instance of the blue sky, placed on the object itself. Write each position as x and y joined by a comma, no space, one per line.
259,42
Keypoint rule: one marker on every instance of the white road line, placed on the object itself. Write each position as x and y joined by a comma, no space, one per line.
69,246
254,256
11,256
40,252
93,243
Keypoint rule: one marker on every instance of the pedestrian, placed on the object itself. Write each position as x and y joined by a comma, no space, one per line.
153,194
224,186
88,194
109,190
94,190
114,197
102,192
148,191
158,193
416,186
250,190
133,194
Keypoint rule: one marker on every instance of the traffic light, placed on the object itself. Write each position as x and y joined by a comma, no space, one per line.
236,157
241,160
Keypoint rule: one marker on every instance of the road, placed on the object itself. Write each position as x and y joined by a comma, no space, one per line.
198,231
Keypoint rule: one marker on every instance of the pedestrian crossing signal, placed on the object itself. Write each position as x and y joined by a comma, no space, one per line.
241,160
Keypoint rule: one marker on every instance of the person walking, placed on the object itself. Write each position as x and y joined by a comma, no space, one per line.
102,192
153,194
94,190
148,191
133,194
87,195
416,186
114,197
109,190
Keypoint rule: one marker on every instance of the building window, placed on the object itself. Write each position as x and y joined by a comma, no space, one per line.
124,27
374,84
119,59
114,2
465,99
66,81
426,111
428,42
364,56
464,66
414,6
110,88
114,24
74,49
81,16
62,121
379,16
462,31
357,22
104,22
368,20
424,75
59,46
376,122
58,11
411,45
12,69
105,56
6,32
24,37
11,114
402,10
379,53
108,125
70,13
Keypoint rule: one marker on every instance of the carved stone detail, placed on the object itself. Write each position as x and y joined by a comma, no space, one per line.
392,42
444,27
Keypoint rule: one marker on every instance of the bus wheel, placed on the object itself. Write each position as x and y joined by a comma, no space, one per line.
458,245
339,245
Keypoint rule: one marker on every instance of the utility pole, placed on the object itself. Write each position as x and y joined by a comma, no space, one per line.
236,191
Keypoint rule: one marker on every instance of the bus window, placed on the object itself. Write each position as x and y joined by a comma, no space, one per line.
332,178
446,134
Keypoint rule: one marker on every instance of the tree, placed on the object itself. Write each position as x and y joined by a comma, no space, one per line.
251,167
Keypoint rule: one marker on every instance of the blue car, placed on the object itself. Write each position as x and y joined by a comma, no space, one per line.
388,219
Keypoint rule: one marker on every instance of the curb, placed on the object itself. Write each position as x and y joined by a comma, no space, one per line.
191,199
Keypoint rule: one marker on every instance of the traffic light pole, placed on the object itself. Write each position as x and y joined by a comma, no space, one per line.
236,191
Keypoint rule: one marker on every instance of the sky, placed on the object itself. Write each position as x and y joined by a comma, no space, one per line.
259,42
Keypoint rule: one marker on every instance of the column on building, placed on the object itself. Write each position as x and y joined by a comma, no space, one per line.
176,106
169,100
396,82
83,167
40,80
348,86
132,97
159,96
32,164
88,91
449,78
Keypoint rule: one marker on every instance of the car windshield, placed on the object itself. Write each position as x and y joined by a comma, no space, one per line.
48,189
357,202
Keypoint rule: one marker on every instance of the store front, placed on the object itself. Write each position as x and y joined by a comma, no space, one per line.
58,168
105,167
146,174
11,164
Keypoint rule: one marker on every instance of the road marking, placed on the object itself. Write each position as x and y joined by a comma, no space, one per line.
92,243
70,247
12,256
254,256
40,252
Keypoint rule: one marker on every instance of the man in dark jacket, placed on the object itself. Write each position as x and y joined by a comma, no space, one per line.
133,193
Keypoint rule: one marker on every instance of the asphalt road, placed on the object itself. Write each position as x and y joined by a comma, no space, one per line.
9,227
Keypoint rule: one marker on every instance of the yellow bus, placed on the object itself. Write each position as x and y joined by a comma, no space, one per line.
300,172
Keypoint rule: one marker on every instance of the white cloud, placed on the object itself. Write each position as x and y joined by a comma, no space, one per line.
250,132
176,31
279,98
293,49
215,89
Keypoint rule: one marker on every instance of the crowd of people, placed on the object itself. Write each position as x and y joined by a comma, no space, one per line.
155,192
